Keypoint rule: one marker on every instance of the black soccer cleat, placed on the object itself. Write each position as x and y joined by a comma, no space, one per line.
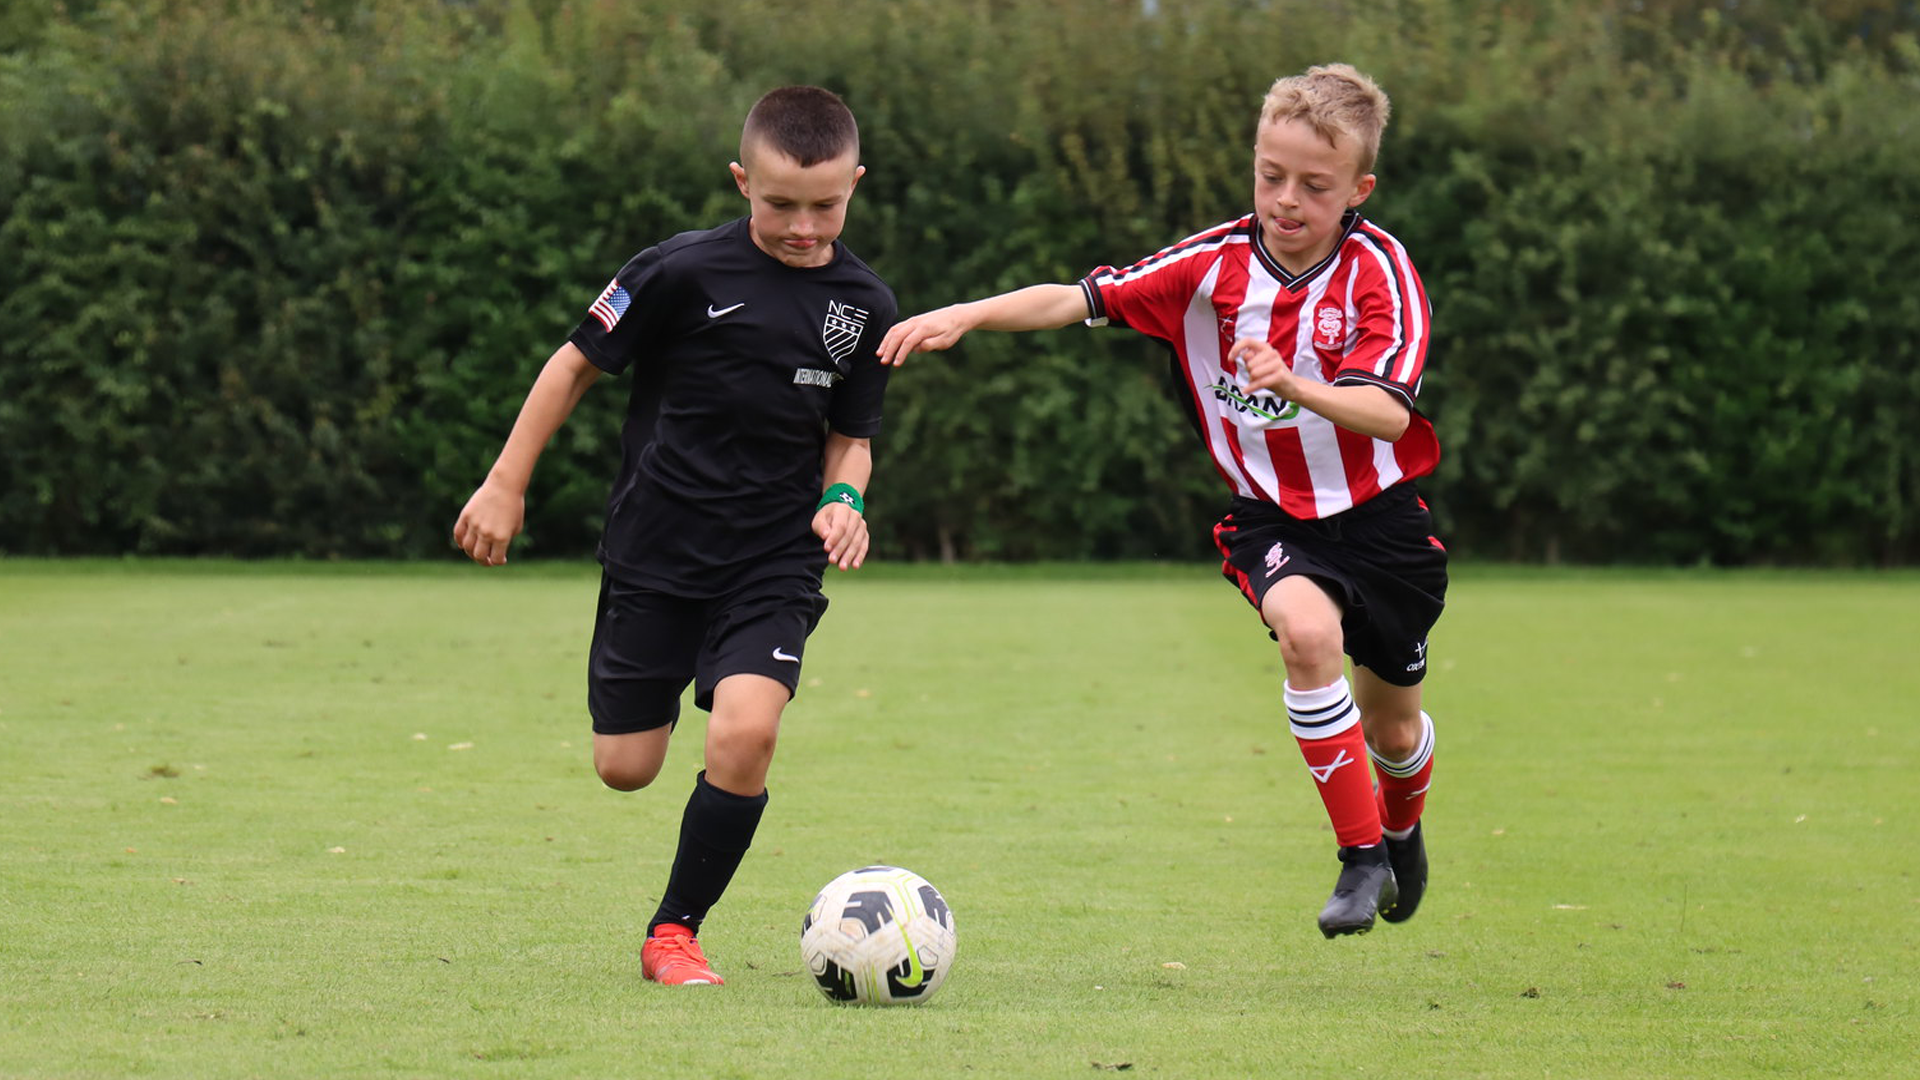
1365,886
1409,860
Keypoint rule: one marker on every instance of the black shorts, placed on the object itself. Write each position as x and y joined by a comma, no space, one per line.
1380,561
647,646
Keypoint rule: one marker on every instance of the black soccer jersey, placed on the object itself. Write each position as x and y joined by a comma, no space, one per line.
740,365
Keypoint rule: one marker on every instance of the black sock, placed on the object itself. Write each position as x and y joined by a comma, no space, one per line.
715,832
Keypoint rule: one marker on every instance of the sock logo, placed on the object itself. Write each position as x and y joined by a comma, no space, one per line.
1324,773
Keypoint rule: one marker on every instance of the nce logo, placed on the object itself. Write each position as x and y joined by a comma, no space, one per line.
1267,407
842,329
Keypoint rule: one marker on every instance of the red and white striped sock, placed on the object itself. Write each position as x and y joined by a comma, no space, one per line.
1403,784
1326,724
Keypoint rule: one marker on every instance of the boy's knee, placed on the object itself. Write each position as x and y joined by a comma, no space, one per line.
744,743
1310,647
1393,744
625,775
629,762
1393,735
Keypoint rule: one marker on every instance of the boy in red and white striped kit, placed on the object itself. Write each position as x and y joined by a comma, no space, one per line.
1299,333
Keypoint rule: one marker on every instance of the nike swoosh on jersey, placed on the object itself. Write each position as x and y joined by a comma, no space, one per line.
779,654
714,314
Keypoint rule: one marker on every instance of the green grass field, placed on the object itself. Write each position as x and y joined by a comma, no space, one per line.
338,821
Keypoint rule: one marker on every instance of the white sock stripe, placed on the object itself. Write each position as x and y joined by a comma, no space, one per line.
1318,698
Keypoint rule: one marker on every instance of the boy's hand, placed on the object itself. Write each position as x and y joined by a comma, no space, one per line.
1266,369
490,521
844,531
934,330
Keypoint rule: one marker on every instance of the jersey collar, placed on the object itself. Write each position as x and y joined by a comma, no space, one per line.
1349,221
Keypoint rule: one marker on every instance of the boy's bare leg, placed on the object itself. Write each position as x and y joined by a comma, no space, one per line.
740,740
1390,714
1306,620
630,762
742,731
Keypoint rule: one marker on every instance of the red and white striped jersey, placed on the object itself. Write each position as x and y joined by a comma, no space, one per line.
1359,316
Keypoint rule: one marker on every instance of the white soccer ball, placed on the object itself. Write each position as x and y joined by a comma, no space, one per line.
878,935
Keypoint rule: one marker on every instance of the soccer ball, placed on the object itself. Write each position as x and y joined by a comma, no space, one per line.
878,935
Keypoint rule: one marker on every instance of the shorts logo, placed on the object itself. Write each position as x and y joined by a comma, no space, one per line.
815,377
1329,327
1420,651
1277,557
781,654
842,329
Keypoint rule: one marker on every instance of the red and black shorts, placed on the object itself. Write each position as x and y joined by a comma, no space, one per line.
1379,561
648,645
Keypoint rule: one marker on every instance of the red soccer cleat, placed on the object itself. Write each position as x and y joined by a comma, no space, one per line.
672,957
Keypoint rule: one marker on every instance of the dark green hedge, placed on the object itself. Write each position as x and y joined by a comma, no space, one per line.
274,280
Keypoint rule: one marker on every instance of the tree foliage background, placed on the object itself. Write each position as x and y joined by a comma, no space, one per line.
275,277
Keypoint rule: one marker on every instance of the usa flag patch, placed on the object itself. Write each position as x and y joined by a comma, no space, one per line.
611,305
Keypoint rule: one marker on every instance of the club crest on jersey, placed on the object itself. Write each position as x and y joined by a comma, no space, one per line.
1329,327
842,329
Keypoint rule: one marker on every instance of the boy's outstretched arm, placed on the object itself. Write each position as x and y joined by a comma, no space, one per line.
495,513
1036,307
841,528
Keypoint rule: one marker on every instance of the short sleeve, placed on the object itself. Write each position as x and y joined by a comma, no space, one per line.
626,319
1149,296
855,409
1152,295
1391,318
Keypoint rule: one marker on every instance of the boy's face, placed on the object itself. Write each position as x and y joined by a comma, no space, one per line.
797,212
1302,186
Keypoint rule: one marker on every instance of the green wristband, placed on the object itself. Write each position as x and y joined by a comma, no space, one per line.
843,493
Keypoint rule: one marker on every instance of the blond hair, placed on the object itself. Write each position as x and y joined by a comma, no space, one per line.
1334,100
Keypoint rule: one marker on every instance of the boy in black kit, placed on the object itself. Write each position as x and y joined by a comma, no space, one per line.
743,459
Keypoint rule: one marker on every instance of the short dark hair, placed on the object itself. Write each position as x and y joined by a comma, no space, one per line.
806,123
